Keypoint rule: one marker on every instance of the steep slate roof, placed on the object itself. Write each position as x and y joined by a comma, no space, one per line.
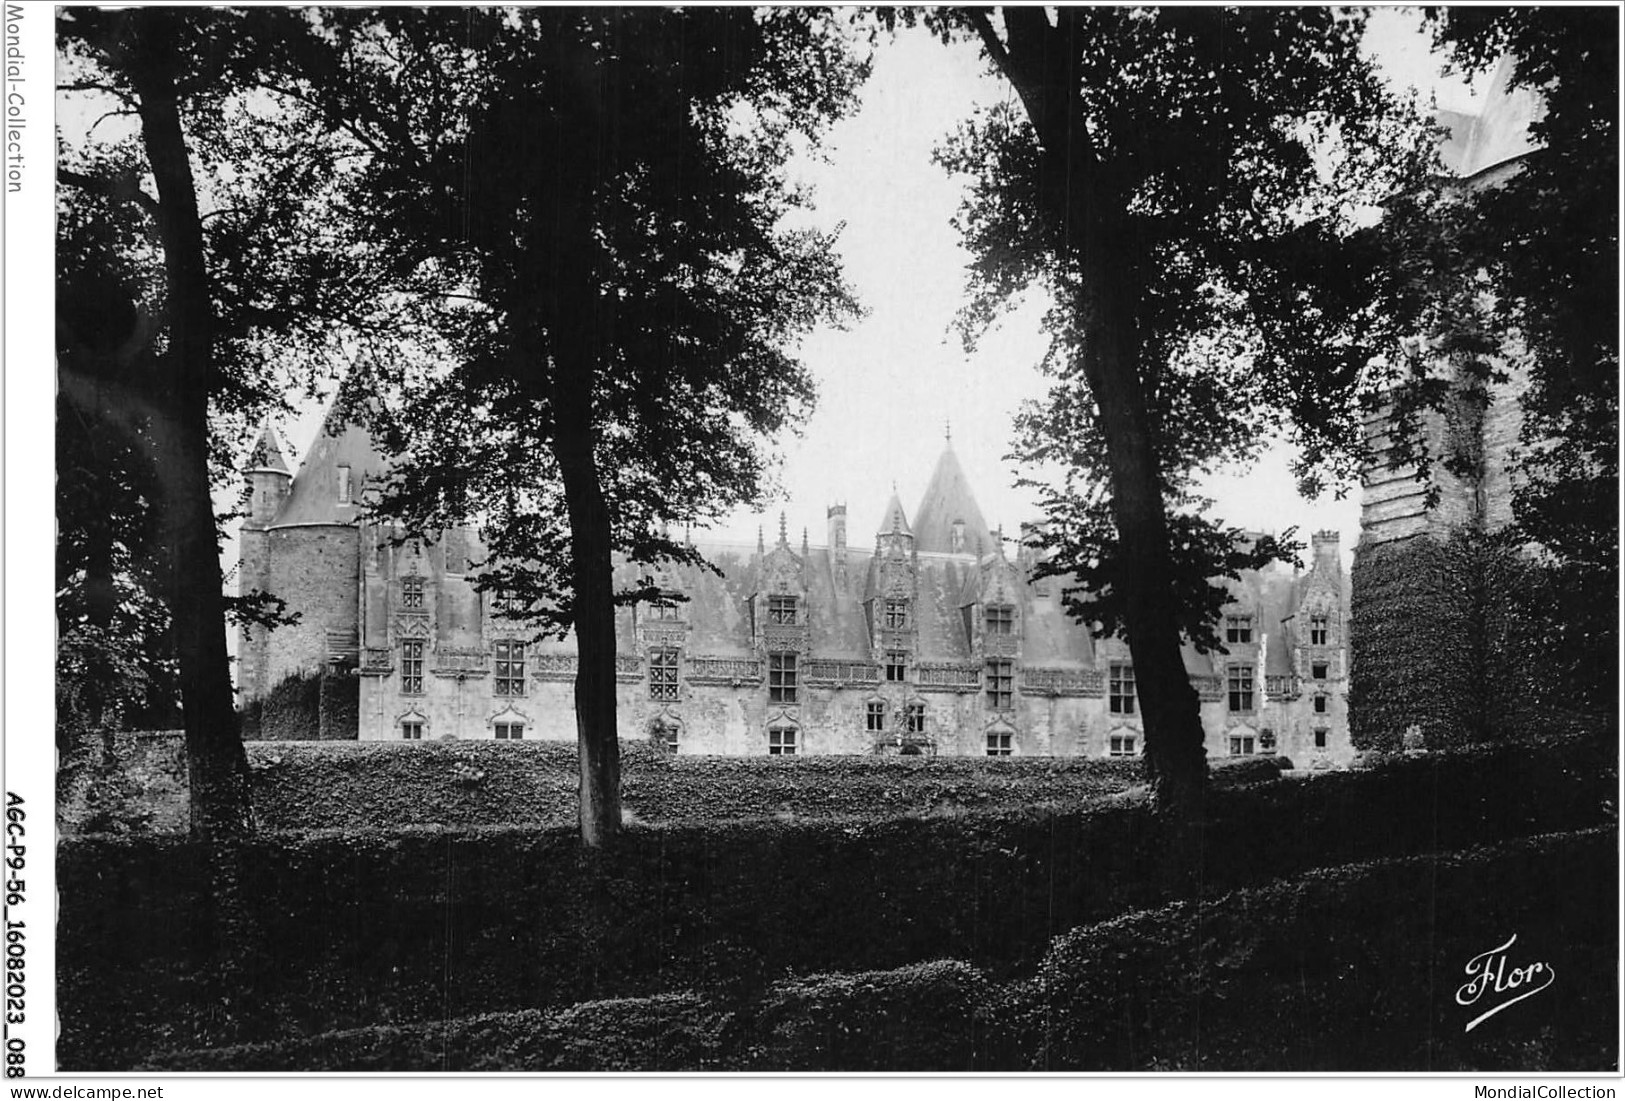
1498,133
313,497
938,620
267,455
948,498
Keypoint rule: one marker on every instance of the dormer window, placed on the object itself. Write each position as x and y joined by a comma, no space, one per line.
1000,619
662,611
412,592
1318,630
781,611
895,615
896,666
344,485
1238,628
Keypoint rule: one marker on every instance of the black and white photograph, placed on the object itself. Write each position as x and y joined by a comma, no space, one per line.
814,541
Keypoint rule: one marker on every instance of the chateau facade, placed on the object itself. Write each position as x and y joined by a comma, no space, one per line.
925,635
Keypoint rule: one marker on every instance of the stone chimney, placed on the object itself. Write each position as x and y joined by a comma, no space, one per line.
837,528
1327,549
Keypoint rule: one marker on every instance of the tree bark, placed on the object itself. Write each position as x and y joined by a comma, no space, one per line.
576,340
573,447
217,768
1084,218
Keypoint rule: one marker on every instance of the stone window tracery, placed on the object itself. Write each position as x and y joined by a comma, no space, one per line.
781,740
1240,685
1122,745
781,677
412,592
1319,630
1238,628
998,743
509,667
1000,684
874,716
914,718
781,611
896,666
663,673
412,666
895,614
1000,619
1120,688
510,731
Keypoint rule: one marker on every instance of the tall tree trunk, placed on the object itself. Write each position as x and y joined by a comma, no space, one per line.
573,447
576,339
1170,708
216,766
1083,217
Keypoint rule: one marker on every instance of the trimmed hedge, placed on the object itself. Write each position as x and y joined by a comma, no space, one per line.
483,783
1353,968
665,1032
928,1017
357,928
1346,969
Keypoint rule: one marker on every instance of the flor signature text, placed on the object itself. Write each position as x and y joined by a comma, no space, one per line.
1493,981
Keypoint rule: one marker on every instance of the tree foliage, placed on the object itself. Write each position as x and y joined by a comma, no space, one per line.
600,196
1185,185
1546,243
191,255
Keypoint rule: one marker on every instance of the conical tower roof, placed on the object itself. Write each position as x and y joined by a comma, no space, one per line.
895,519
267,456
947,500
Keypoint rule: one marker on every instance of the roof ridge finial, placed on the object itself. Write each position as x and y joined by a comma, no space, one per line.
948,431
784,540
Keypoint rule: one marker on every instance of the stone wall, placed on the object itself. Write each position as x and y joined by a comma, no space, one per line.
316,570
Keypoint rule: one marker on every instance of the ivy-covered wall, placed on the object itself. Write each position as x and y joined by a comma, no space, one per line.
340,707
1466,638
305,707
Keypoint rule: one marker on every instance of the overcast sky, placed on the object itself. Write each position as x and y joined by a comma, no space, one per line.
891,382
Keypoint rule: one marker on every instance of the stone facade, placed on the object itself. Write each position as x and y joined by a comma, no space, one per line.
935,639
